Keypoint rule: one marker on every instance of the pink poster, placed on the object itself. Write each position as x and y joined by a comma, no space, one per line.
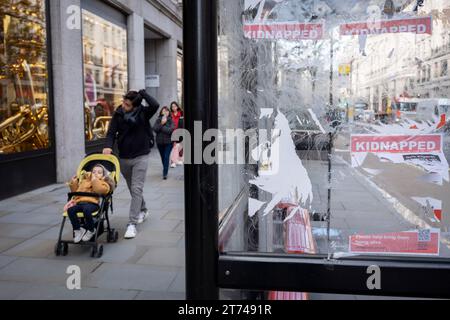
416,242
421,25
284,30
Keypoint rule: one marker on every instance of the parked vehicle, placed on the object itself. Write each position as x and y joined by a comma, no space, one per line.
362,112
405,108
428,109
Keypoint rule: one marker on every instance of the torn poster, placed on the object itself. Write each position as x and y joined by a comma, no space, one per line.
254,206
422,25
281,171
423,151
284,30
417,242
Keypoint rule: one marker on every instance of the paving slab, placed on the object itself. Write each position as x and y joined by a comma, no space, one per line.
44,271
157,238
21,230
132,277
8,243
122,253
36,218
33,248
85,293
149,295
5,260
174,215
179,284
159,225
171,257
10,290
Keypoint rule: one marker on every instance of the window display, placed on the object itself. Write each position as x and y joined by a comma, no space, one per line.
23,77
180,76
105,72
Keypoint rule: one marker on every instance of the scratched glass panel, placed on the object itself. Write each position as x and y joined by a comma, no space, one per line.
343,109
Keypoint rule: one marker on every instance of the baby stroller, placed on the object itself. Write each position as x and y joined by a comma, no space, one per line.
111,163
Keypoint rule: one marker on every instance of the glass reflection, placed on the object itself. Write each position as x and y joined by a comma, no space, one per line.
23,77
105,72
360,93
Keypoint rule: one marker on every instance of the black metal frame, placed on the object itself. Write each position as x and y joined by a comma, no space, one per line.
404,278
207,270
200,96
28,178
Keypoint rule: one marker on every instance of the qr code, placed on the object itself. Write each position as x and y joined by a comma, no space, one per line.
424,235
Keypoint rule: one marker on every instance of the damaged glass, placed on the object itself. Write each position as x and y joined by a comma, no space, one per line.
345,110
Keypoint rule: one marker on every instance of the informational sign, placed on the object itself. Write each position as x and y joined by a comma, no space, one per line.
152,81
396,143
423,151
415,242
422,25
284,30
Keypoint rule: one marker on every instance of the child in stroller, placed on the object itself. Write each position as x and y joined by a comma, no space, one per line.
90,199
97,181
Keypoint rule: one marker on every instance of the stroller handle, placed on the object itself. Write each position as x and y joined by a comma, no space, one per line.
100,153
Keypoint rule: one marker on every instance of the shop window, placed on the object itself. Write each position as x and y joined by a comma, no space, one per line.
24,99
103,95
180,76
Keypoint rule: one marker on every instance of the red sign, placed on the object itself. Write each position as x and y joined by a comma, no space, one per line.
396,144
411,25
424,242
287,31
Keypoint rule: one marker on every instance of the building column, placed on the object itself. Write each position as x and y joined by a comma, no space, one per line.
166,58
67,86
136,48
151,64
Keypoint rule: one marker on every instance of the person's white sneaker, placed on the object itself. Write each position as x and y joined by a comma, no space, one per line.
142,217
87,236
131,232
78,235
180,163
173,165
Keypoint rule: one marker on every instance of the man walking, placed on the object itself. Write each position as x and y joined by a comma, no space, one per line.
130,126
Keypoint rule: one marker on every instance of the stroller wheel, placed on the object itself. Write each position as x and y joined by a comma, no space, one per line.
58,249
113,236
94,252
110,236
100,252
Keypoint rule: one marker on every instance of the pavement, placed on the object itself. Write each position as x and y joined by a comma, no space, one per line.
149,267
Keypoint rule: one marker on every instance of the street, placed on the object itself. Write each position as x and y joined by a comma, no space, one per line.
376,197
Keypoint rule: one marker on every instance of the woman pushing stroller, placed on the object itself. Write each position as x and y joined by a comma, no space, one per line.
97,181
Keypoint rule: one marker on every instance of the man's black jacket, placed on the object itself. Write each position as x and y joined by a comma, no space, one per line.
133,140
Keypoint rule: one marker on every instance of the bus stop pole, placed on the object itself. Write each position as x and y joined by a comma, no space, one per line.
201,180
